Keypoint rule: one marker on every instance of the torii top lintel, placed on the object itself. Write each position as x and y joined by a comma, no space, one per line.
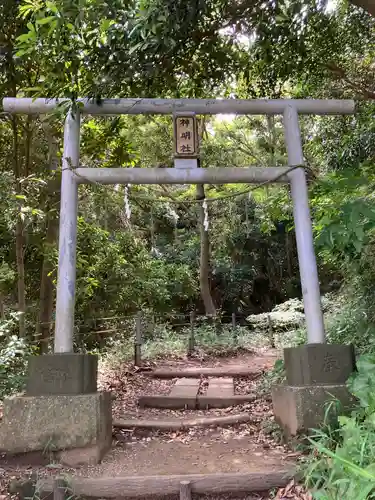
198,106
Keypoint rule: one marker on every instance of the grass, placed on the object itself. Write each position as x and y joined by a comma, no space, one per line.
341,462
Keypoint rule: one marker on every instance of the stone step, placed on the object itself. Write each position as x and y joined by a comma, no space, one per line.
186,390
220,388
206,402
184,395
206,371
200,402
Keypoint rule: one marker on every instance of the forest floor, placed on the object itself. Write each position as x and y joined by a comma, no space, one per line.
253,446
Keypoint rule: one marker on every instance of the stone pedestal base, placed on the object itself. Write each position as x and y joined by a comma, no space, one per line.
298,409
68,373
319,364
77,427
315,375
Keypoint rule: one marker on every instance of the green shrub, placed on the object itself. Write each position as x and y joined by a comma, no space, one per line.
353,321
273,377
13,357
342,460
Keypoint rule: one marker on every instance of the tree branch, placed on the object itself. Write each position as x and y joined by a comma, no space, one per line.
358,87
367,5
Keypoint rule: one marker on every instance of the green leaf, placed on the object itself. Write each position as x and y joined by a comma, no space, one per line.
105,24
22,52
136,47
354,468
52,7
32,89
37,179
25,10
45,20
53,26
24,37
36,211
358,245
366,364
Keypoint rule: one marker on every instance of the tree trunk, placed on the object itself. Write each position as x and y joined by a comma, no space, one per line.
21,289
2,307
47,288
204,265
288,255
272,139
28,139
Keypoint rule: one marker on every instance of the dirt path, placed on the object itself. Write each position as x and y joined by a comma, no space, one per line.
262,359
218,451
248,447
127,384
240,448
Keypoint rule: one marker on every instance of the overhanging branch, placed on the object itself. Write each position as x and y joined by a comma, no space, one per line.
367,5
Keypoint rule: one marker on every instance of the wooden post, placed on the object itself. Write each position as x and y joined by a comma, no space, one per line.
191,346
270,331
59,489
185,490
235,335
138,340
153,319
218,324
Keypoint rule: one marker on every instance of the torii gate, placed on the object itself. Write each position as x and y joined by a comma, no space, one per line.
73,175
300,371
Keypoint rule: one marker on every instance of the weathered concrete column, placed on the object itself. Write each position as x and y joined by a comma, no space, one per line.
316,372
303,228
66,281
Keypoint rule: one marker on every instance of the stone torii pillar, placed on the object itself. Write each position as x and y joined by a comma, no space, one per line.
317,371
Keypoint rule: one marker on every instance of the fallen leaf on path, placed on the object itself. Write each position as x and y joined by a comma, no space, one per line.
293,491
